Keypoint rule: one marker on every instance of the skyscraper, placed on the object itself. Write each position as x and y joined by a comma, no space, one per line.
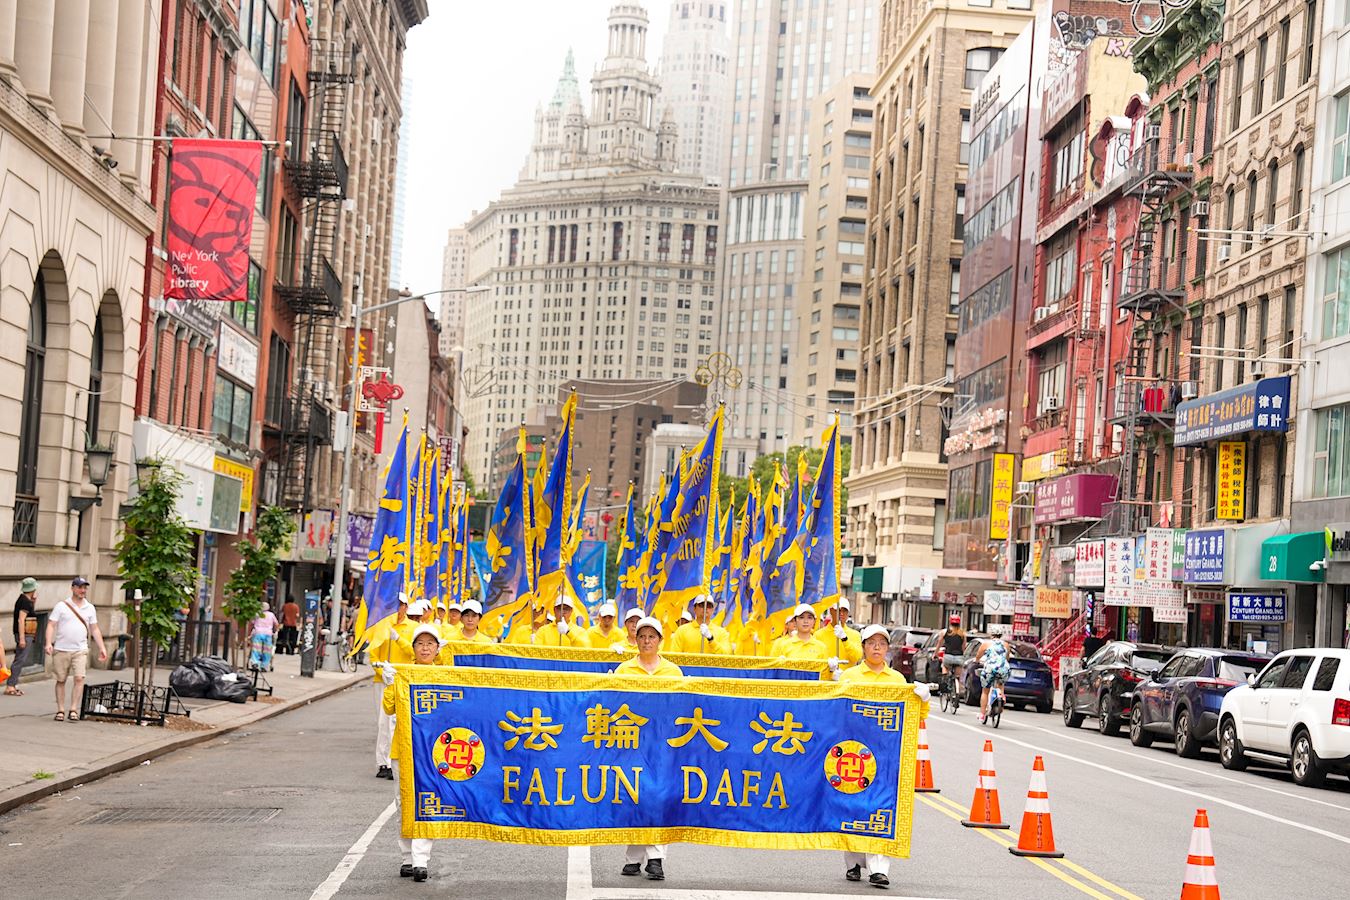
453,261
785,55
695,73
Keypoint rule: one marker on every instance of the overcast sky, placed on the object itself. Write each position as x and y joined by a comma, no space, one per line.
478,70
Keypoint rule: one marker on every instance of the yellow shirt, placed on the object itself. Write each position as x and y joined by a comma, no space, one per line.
796,648
625,643
689,639
387,704
548,636
666,669
863,673
399,649
849,651
478,638
601,638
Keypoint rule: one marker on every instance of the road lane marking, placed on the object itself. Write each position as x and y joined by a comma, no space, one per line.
1044,864
1012,837
333,883
1208,798
579,883
1160,760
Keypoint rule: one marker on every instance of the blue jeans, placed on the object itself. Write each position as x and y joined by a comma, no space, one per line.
21,658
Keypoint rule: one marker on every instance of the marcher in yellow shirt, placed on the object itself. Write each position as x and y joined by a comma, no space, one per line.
648,662
528,623
629,639
384,725
604,632
876,642
562,631
701,635
838,638
668,643
426,645
805,645
453,611
789,634
470,616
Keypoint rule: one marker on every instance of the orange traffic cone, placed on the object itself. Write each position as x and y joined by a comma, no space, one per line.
984,811
1036,838
1201,883
923,775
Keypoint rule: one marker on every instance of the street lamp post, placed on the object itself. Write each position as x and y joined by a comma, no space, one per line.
331,662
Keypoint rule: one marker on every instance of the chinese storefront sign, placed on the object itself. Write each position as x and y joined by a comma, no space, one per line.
1000,603
1168,601
1037,551
1119,571
1089,563
1053,603
1231,480
1255,607
1158,555
1259,406
1073,497
1178,553
1204,596
1204,557
1000,501
1022,623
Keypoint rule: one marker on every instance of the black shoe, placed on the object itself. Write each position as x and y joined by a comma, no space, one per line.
879,880
632,868
654,871
405,870
419,874
854,874
386,773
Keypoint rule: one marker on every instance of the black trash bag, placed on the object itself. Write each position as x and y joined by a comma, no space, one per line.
212,665
237,691
189,681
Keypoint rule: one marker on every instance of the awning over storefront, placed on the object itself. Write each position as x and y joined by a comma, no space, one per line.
867,579
1287,557
1261,405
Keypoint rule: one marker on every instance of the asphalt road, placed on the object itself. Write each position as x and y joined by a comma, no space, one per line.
313,824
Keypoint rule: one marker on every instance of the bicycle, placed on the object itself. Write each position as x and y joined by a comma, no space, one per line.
947,691
996,704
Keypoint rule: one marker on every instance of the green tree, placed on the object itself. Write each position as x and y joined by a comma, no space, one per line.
470,485
258,561
156,555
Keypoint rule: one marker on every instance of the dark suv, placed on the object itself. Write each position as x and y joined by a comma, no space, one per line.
1105,687
905,642
1182,699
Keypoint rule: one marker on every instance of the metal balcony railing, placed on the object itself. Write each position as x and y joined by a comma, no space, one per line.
308,288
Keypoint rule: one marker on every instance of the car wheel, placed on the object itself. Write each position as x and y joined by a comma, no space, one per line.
1045,707
1071,719
1230,748
1107,723
1304,764
1187,745
1139,735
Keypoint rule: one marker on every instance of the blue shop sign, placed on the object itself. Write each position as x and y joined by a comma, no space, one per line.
1262,405
1204,557
1248,606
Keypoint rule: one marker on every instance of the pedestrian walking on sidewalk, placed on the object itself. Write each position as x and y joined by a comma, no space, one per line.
25,633
69,627
262,633
290,627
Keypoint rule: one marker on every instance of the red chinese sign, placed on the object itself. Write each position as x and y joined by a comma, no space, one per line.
212,189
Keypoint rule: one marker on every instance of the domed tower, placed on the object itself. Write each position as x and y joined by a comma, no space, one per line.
623,89
574,135
667,137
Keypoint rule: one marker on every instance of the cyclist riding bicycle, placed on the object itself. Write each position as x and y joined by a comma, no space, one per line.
994,670
953,646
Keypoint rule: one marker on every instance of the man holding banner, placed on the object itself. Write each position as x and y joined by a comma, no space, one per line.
701,635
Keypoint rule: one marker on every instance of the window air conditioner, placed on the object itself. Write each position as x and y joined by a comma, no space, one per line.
1200,208
1224,252
1153,131
1041,314
1189,390
1024,487
1050,404
1188,159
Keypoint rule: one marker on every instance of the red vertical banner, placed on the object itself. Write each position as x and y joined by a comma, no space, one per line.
213,186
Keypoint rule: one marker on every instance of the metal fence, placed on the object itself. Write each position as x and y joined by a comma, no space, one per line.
195,637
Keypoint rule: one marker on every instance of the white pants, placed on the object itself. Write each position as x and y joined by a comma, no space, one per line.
384,729
640,853
416,851
874,863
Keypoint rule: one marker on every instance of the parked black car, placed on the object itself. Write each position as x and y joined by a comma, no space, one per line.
924,661
1182,699
905,642
1105,687
1029,679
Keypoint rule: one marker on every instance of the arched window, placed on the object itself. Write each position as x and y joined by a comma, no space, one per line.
95,382
30,421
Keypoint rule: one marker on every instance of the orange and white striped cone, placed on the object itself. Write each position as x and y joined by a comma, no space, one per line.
923,773
984,811
1037,837
1201,881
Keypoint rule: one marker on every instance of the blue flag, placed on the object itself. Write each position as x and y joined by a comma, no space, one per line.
629,593
813,556
553,511
387,564
688,558
511,582
586,572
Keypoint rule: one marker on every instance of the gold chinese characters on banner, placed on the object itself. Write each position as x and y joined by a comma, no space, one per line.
1231,478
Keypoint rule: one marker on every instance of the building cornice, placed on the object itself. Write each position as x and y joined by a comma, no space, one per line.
1186,34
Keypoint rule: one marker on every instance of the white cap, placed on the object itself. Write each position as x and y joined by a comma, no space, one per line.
564,600
873,631
802,609
843,603
686,616
427,629
419,606
472,606
651,622
704,598
458,607
402,597
634,613
606,609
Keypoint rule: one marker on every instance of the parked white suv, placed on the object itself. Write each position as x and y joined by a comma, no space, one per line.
1297,710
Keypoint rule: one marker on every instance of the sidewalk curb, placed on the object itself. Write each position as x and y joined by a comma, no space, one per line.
15,797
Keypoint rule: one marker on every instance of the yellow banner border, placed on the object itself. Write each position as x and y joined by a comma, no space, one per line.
592,654
558,682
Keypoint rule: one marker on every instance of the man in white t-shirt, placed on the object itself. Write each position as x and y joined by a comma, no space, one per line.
69,627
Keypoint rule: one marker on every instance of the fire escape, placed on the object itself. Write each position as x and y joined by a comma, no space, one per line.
316,170
1152,288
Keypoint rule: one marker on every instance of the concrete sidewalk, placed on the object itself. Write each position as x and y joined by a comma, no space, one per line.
67,754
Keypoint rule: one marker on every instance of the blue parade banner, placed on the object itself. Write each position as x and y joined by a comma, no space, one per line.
545,658
535,758
586,571
482,564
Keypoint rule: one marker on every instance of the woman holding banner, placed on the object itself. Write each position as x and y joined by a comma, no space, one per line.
648,663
